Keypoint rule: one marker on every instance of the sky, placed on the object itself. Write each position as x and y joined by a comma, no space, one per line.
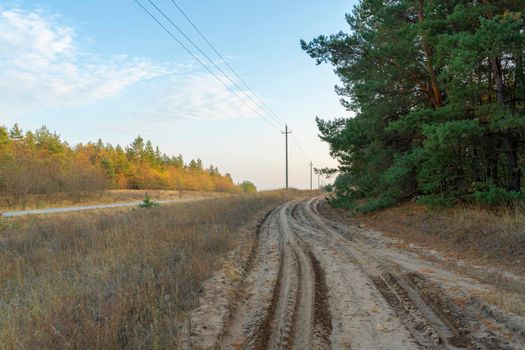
104,69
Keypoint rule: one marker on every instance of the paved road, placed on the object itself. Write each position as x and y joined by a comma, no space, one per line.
86,207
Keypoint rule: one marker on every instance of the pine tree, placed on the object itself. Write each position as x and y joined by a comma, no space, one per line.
16,133
437,88
136,148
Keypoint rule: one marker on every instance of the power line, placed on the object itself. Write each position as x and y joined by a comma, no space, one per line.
204,65
300,148
267,110
286,132
227,64
311,166
209,59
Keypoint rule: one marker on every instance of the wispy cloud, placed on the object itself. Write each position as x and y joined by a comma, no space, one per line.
44,66
196,96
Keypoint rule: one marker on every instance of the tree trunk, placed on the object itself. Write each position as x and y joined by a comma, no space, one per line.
492,162
511,148
498,79
519,88
427,50
510,139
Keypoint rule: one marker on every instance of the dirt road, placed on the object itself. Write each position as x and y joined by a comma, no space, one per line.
316,283
16,213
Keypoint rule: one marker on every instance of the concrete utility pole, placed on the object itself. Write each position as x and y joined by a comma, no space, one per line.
286,132
311,165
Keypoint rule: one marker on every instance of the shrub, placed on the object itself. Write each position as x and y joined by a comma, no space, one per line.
497,196
248,187
148,202
436,201
376,204
329,188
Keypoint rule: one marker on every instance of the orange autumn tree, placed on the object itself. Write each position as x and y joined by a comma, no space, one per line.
40,163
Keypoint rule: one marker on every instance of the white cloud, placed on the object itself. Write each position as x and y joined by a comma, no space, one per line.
197,96
42,66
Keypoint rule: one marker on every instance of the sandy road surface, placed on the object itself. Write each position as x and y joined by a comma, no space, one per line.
88,207
316,283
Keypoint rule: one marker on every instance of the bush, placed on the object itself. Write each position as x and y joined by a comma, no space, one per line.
248,187
148,202
437,202
497,196
376,204
341,202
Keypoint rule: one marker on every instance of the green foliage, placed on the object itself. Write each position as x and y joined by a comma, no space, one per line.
16,133
248,187
341,202
328,188
344,195
449,159
376,204
4,136
497,196
148,202
436,201
438,93
196,164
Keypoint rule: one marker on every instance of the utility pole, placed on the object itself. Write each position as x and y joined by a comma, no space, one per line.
286,132
318,181
311,165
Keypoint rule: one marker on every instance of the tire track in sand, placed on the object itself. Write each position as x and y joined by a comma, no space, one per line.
425,324
310,287
284,288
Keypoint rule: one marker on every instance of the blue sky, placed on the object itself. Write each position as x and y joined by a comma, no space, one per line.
103,69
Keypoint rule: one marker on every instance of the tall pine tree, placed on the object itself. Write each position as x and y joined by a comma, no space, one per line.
437,88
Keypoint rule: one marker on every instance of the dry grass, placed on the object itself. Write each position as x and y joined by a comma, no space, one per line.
497,236
506,302
101,197
496,231
120,280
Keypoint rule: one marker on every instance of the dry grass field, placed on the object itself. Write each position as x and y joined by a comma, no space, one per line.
114,279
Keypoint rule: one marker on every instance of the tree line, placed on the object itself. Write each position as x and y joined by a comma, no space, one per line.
40,163
438,91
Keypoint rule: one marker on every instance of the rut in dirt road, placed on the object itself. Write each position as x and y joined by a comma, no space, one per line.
293,315
287,317
426,329
314,285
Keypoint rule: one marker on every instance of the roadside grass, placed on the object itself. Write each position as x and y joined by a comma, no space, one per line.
499,232
507,302
126,279
101,197
495,235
